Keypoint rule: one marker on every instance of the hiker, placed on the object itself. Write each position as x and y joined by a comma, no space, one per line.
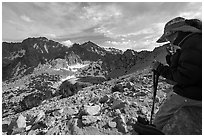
184,67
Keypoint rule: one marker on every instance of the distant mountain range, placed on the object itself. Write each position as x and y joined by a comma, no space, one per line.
22,58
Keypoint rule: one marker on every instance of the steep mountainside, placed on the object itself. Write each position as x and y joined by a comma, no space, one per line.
21,58
25,56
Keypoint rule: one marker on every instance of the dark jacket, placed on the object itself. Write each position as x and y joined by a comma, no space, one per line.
185,66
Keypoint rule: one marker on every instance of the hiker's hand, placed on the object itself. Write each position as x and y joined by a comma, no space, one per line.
155,65
169,51
142,129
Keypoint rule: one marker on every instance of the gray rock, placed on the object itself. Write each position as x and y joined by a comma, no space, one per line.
118,104
112,124
28,127
31,132
67,89
92,110
18,131
40,116
5,127
75,130
141,93
70,111
88,120
21,121
104,99
118,87
32,100
129,85
121,124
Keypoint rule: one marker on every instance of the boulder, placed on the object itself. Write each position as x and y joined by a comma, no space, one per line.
5,127
117,87
88,120
121,124
70,111
130,85
104,99
118,104
112,124
40,116
92,110
32,100
67,89
73,126
187,121
16,126
141,93
28,127
21,121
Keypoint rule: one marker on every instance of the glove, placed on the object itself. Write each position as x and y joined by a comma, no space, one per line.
155,65
142,129
169,50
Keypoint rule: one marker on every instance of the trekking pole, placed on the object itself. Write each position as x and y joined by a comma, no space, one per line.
155,83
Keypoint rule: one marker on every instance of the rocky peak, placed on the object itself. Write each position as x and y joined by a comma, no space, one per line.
114,50
89,43
36,39
129,53
72,58
92,47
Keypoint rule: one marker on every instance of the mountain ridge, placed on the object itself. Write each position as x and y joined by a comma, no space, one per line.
39,50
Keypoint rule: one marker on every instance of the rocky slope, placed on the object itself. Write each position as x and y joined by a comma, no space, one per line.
109,108
36,106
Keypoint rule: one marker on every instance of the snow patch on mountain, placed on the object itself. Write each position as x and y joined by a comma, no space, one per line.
68,77
113,50
45,46
73,68
35,46
77,66
17,54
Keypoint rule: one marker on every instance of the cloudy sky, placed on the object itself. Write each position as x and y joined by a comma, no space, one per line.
133,25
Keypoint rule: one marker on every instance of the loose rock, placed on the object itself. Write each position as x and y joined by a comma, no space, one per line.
88,120
118,87
121,124
21,121
118,104
70,111
104,99
92,110
112,124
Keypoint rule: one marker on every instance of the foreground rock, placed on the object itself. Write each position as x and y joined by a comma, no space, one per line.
95,110
68,88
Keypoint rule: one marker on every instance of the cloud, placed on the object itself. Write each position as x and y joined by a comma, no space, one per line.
26,18
67,43
123,45
101,13
136,24
50,35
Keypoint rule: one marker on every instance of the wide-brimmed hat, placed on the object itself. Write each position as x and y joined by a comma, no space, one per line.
174,25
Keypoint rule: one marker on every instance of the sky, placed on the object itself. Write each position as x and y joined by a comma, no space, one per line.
122,25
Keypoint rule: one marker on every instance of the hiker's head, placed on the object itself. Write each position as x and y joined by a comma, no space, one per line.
177,25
